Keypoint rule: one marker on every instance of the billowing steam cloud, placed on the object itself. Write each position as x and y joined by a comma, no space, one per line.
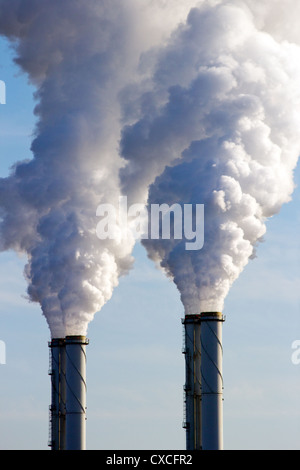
210,108
218,124
79,55
48,203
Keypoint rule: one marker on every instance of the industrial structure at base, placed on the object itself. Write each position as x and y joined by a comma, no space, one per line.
68,393
203,387
204,381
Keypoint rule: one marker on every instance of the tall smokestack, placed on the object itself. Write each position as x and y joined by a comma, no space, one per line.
192,351
58,394
204,381
75,347
211,380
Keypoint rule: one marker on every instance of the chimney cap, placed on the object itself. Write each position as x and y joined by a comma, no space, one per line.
77,339
56,342
211,316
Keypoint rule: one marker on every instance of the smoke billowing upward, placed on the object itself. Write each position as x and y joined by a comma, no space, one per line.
218,124
162,101
79,55
48,203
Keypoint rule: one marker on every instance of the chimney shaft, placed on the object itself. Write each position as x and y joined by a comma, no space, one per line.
211,380
76,392
192,351
58,393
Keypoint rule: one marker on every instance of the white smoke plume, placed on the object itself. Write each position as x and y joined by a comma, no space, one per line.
207,95
216,122
79,54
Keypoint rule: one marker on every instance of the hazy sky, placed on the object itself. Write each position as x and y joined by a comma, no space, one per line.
135,369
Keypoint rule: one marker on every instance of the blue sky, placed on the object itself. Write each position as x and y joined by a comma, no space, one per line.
135,369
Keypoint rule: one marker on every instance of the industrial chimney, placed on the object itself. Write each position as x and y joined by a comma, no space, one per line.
211,380
76,392
204,381
68,393
192,388
58,394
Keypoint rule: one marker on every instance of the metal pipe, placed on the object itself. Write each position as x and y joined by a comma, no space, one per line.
212,380
192,351
57,407
76,392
